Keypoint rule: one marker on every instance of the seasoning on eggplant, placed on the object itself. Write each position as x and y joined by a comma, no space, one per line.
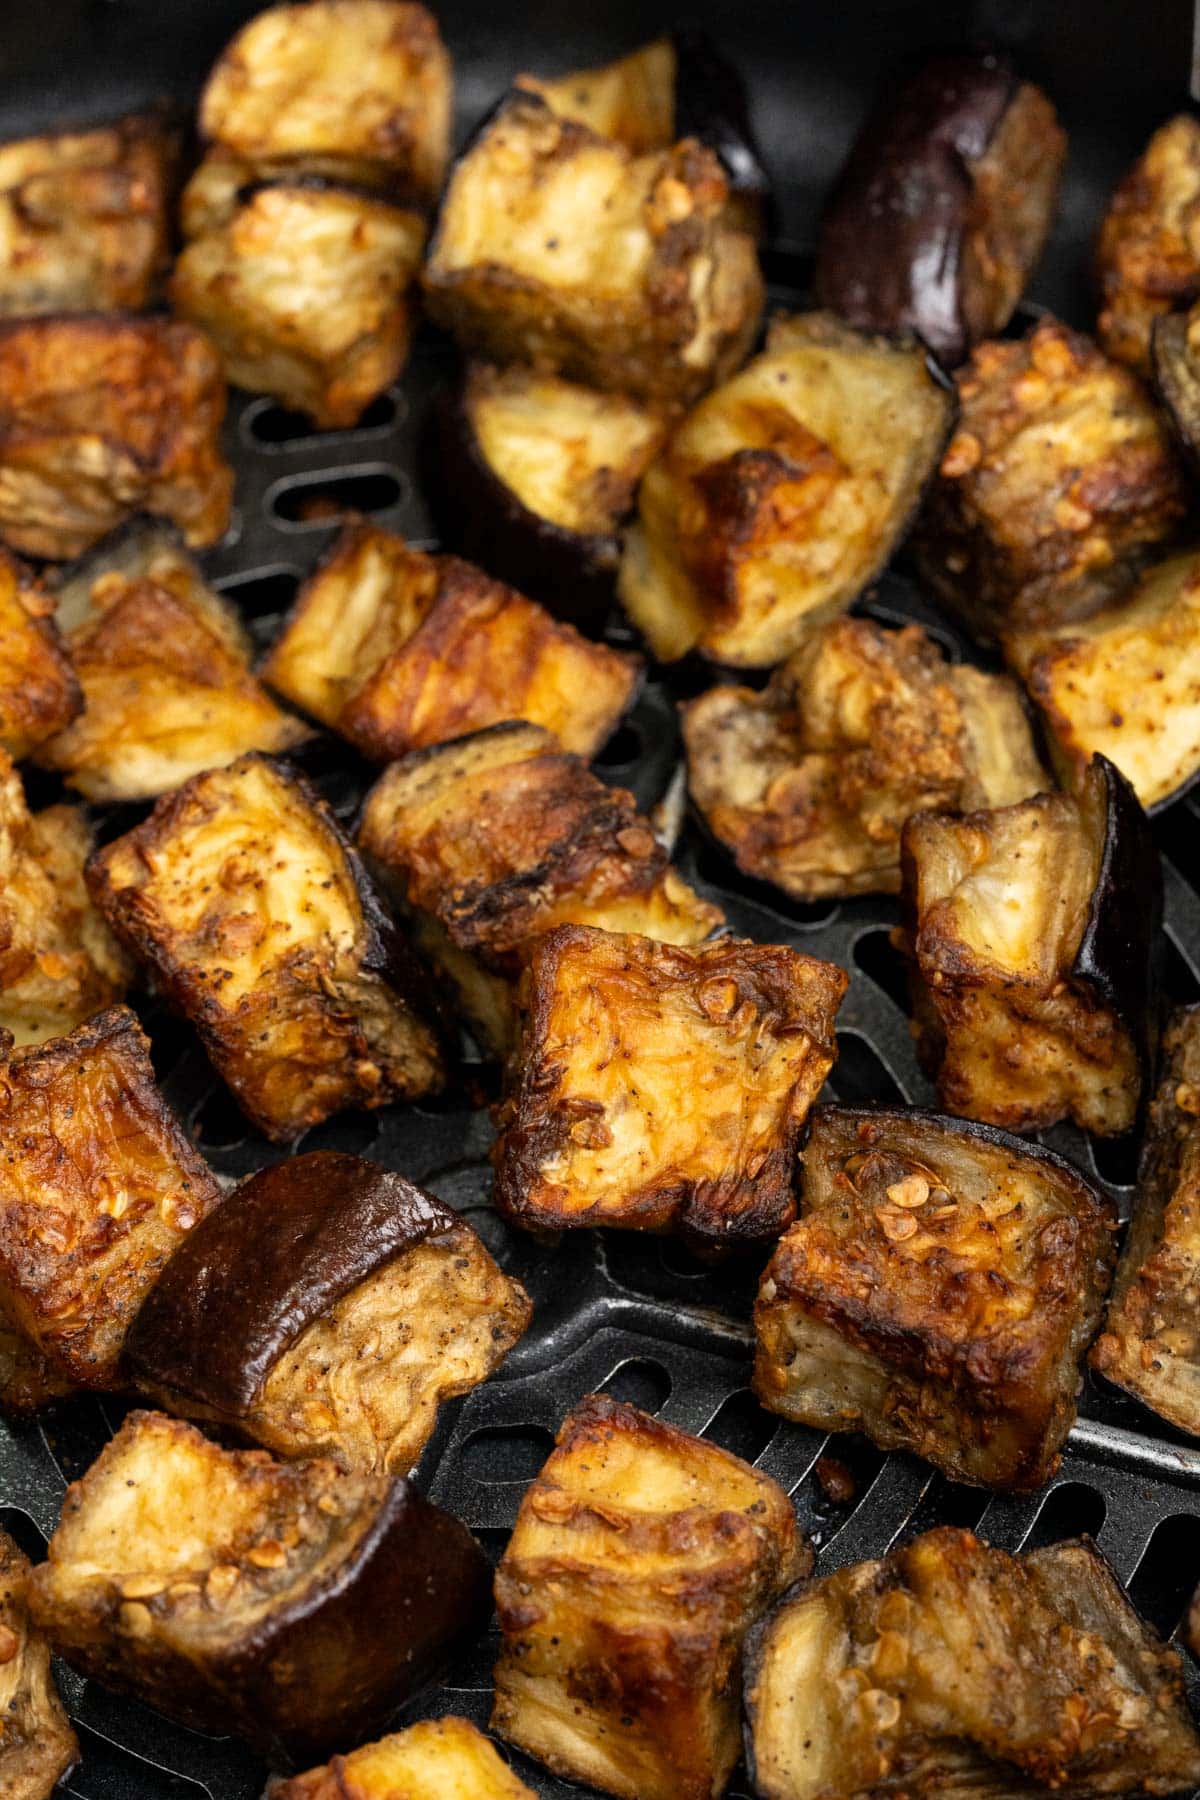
953,1667
538,474
808,781
1148,255
435,1759
293,1604
327,1308
358,90
399,650
164,664
640,1558
558,247
1151,1339
938,1292
39,693
98,1185
1031,935
656,1087
37,1744
102,417
84,217
784,493
1057,484
944,205
495,838
1125,683
306,292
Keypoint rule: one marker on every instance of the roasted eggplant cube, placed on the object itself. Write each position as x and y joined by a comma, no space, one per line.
37,1745
85,217
640,1557
164,664
782,494
1058,483
291,1603
1124,683
244,898
104,417
326,1309
494,839
561,248
39,693
538,474
361,90
1148,254
1151,1339
1031,938
305,292
938,1293
808,781
98,1186
1175,356
950,1666
435,1759
656,1087
944,205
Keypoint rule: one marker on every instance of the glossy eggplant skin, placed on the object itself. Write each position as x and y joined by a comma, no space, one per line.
711,104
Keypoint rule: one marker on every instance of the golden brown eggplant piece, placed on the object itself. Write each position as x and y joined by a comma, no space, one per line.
305,290
326,1309
359,90
435,1759
1058,482
37,1744
493,839
39,693
1148,255
1031,938
292,1603
783,494
656,1087
399,650
98,1185
103,417
808,782
938,1292
85,217
564,249
164,663
243,896
1151,1339
640,1558
953,1668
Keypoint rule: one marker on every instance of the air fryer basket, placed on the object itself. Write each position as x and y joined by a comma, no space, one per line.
637,1317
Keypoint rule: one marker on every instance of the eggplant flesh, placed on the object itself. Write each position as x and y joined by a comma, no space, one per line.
431,1760
1175,352
38,1746
1148,254
39,692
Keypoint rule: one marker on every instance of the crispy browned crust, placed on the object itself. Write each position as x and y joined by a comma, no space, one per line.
39,692
243,895
656,1087
291,1603
37,1745
640,1557
938,1292
665,323
1058,481
98,1186
1148,253
102,417
427,1761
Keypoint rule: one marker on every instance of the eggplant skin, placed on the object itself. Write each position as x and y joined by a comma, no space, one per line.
427,1761
808,782
639,1559
943,207
290,1603
38,1746
938,1292
102,417
262,928
950,1666
595,1131
1148,250
1057,485
39,691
